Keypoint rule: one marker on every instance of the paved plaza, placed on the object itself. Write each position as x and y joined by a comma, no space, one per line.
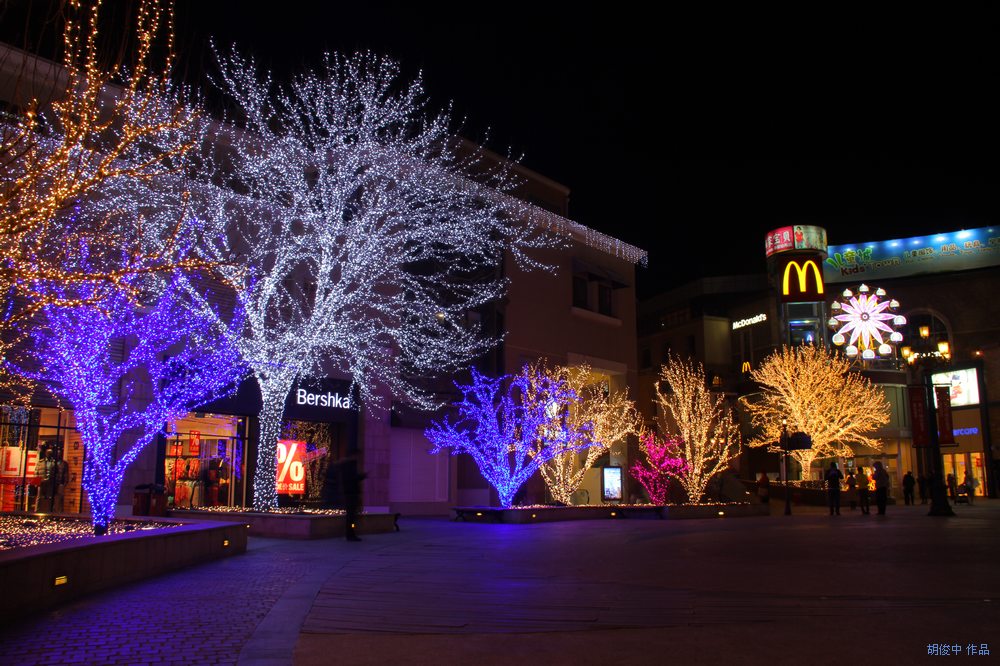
805,589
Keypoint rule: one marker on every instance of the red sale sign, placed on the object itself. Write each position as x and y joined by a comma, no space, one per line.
291,478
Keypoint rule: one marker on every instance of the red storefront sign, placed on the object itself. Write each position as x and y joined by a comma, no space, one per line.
194,445
291,478
946,429
918,416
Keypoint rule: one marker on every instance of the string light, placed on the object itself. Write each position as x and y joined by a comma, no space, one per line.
23,532
661,465
818,395
708,434
607,417
363,254
511,426
126,371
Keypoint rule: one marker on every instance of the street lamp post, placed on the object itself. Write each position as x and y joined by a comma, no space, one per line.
784,451
925,359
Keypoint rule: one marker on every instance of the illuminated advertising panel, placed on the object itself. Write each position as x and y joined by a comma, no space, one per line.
953,251
611,483
964,386
291,473
797,237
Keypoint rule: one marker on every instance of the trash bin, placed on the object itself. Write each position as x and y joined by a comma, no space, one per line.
157,501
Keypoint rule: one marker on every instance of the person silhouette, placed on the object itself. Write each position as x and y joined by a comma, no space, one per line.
881,478
833,478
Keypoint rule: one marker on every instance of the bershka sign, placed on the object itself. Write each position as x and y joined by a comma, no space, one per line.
328,399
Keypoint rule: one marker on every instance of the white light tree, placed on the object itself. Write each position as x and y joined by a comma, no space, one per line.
366,239
126,370
808,389
707,433
511,426
611,417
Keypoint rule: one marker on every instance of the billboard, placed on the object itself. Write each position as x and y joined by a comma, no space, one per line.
797,237
611,483
963,386
953,251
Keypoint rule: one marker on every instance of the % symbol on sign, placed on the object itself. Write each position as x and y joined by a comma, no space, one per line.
290,467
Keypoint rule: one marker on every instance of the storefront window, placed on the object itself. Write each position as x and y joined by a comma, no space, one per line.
41,460
205,461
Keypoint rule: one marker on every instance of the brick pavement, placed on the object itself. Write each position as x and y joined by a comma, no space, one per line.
769,589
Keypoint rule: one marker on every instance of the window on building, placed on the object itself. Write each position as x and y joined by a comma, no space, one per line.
581,290
604,299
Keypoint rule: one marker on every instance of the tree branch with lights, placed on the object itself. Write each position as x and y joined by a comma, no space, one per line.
662,463
511,426
127,370
366,237
608,417
707,433
808,389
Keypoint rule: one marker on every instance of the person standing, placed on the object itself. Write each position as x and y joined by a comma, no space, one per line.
922,488
953,488
908,483
852,489
863,496
764,488
970,483
881,478
833,478
351,478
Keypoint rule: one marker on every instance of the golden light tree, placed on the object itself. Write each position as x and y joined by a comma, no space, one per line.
808,389
612,417
701,420
81,197
110,125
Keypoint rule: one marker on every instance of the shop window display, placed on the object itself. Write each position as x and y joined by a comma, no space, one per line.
203,464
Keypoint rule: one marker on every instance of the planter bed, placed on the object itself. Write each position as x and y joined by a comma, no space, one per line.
45,576
545,514
296,525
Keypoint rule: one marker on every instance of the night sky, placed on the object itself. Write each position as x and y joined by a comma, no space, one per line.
689,136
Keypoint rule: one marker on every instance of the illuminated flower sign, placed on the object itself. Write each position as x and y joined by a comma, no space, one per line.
869,320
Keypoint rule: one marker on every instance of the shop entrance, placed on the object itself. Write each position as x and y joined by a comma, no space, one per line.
960,464
205,461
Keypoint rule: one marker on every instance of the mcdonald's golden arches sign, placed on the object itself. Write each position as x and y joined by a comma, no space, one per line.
800,279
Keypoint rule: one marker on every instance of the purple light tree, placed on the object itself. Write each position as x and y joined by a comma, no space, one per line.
511,426
127,370
366,240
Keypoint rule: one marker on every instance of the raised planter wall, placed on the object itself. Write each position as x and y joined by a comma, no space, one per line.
297,525
610,512
29,575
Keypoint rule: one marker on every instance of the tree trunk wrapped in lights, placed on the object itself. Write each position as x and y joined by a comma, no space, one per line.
511,426
807,389
126,370
366,240
662,464
612,418
709,437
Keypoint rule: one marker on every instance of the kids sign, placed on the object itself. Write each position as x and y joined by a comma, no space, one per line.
291,470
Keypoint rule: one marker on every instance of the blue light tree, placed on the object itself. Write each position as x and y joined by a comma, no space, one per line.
126,370
511,426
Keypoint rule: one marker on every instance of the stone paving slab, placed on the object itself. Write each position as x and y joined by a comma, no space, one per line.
801,589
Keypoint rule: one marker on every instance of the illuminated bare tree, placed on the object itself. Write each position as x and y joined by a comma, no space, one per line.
816,393
612,418
366,239
708,434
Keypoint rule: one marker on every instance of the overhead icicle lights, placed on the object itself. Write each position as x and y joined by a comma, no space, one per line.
511,425
363,250
127,370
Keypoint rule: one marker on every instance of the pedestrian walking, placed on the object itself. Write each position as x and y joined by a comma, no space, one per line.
863,496
852,489
908,483
833,478
922,483
881,478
